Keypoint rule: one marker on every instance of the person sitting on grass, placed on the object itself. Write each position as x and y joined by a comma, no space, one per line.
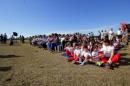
90,46
68,50
100,62
99,46
94,54
109,57
77,54
86,55
82,52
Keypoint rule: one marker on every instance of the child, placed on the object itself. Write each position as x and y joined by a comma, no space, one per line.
77,54
90,47
94,54
110,57
68,50
82,52
86,55
101,59
99,46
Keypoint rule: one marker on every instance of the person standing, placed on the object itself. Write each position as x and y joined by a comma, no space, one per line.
1,38
4,38
11,40
30,40
119,33
99,37
23,39
110,34
105,34
102,35
49,43
62,40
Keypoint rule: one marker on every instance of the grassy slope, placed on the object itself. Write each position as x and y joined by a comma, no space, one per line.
31,66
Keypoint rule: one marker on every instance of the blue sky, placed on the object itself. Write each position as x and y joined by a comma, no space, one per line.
29,17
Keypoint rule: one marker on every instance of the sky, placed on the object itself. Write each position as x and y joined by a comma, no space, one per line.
32,17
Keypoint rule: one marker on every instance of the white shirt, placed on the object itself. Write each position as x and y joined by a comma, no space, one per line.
107,50
111,33
62,39
82,53
94,54
77,52
102,34
86,54
119,32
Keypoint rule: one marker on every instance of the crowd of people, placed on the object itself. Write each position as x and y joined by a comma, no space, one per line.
83,49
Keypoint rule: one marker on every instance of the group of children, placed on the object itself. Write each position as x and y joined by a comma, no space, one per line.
101,54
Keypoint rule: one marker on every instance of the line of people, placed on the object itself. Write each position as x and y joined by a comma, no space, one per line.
58,41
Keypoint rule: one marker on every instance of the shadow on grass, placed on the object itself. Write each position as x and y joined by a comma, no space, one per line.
9,56
5,68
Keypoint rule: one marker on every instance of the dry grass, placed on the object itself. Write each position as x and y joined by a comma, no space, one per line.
30,66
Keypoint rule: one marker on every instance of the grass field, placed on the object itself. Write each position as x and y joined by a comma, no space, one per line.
25,65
